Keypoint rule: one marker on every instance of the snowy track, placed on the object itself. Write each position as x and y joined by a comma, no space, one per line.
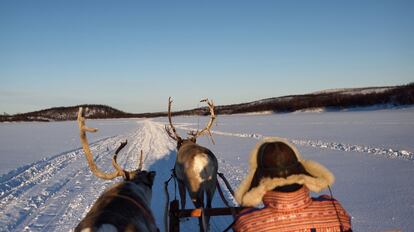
53,194
34,198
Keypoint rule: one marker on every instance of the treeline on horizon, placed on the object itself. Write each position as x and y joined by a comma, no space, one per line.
399,95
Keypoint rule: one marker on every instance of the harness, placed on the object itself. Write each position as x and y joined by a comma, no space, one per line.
220,190
167,208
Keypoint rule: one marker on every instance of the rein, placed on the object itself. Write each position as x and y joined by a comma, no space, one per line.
233,212
336,210
167,194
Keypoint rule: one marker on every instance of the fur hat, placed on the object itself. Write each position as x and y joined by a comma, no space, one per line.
319,178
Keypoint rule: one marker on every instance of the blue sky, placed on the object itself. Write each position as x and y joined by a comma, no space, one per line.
133,55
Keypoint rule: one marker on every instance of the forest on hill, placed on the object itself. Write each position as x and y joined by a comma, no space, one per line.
329,99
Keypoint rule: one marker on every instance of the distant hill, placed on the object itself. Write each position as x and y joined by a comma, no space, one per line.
67,113
332,99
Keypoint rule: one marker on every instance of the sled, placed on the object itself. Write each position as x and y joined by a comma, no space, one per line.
175,213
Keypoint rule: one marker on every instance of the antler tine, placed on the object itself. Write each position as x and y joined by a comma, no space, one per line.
88,154
168,130
174,136
212,118
140,162
81,123
115,164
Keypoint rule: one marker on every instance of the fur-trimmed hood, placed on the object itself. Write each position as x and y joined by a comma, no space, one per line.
321,177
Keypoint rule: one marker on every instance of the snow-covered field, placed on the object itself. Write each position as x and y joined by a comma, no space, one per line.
45,184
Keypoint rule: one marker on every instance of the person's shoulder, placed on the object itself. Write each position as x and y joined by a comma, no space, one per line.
326,202
242,218
247,211
322,198
246,215
249,217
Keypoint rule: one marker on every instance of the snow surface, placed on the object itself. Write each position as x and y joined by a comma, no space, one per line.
371,154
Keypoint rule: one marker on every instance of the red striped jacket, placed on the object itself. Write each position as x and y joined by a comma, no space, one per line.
294,211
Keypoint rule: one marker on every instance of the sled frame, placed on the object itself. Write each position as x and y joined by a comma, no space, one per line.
175,214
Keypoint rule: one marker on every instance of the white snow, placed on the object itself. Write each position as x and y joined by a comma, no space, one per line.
371,154
257,113
311,110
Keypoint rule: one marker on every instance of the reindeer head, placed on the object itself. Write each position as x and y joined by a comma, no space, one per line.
138,175
192,138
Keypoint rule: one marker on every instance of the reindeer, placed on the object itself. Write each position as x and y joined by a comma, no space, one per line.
195,166
125,206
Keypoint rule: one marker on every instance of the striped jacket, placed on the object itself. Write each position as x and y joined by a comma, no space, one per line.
295,211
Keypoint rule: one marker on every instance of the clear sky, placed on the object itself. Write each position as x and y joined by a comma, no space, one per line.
133,55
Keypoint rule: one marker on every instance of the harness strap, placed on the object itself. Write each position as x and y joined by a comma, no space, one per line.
230,226
203,220
167,202
221,175
233,211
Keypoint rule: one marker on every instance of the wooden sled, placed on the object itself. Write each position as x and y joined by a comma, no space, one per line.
175,213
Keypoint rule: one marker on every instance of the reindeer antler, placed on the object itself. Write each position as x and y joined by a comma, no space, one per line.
170,129
88,154
140,162
115,164
210,123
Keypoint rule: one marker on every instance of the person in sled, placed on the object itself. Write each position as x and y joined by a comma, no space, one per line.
282,180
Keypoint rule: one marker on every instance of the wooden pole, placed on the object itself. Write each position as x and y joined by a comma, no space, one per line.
174,219
208,212
175,214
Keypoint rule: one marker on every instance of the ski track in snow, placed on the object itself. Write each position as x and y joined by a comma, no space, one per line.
54,194
387,152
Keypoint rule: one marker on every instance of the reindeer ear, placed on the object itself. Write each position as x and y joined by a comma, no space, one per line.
151,176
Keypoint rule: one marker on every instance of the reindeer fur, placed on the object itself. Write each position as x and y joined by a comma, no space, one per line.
123,207
196,167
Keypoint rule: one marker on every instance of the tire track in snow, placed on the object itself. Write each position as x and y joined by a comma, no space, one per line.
81,184
54,194
37,188
86,188
152,140
23,195
387,152
23,178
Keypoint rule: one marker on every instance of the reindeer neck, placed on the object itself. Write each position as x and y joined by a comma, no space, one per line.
142,189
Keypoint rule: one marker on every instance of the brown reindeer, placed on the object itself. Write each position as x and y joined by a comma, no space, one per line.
125,206
195,166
